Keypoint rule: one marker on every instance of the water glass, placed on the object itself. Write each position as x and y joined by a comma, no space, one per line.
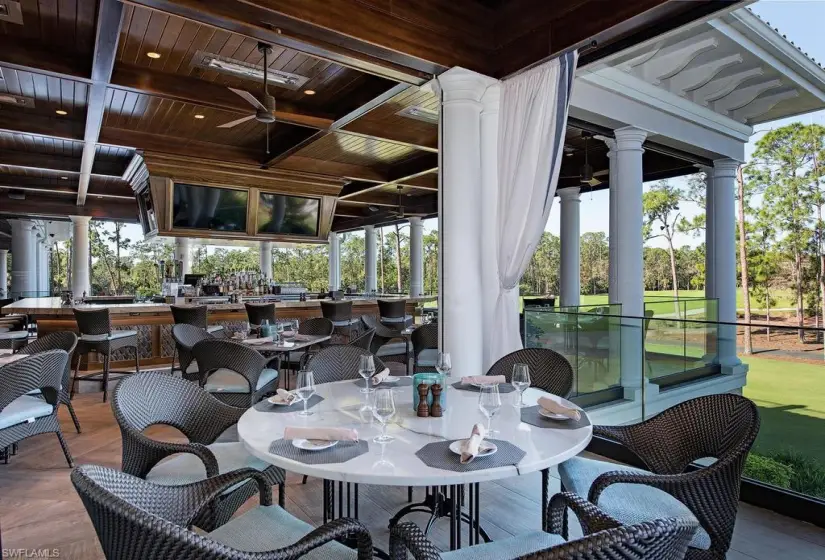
366,369
442,364
383,410
305,388
520,381
489,403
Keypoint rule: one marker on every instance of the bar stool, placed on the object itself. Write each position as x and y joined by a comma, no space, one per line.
257,313
340,313
393,313
193,315
96,335
425,348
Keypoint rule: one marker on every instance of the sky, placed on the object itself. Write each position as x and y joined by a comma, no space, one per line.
800,20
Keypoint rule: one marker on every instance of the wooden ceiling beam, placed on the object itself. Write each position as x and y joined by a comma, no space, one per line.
333,168
399,181
51,162
208,94
109,16
23,54
37,125
47,207
425,206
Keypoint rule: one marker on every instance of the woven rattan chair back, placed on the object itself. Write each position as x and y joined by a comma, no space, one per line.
43,371
64,340
257,313
549,370
364,340
392,308
93,321
185,337
217,353
423,338
317,326
189,315
337,310
339,363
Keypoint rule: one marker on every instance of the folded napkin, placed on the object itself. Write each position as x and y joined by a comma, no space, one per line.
470,447
287,344
288,334
264,340
555,407
321,433
484,380
380,376
285,396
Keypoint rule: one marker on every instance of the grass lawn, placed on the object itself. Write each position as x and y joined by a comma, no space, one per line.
791,400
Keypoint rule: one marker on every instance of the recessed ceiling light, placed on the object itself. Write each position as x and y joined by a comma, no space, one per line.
64,178
152,54
199,116
309,91
61,112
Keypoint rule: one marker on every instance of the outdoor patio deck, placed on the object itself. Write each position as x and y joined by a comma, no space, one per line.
40,509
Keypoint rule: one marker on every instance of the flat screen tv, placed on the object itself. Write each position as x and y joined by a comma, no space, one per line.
288,215
218,209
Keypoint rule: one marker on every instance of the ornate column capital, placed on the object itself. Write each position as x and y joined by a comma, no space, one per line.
630,138
461,85
725,167
568,194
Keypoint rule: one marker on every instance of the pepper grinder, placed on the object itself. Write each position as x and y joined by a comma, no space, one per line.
423,410
435,410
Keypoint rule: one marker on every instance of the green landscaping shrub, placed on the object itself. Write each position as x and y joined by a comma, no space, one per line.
768,470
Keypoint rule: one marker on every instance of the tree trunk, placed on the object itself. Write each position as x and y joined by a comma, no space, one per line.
398,256
743,262
381,258
117,263
673,267
800,309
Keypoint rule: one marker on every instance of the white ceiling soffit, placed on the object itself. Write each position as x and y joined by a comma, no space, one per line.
735,65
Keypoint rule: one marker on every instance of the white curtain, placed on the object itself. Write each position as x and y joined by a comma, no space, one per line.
532,123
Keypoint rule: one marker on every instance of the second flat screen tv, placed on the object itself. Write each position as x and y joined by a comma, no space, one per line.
288,215
199,207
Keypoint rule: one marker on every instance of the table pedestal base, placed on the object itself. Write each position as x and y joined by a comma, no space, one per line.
448,501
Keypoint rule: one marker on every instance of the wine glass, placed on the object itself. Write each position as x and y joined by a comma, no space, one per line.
520,381
442,364
489,403
305,389
383,411
366,369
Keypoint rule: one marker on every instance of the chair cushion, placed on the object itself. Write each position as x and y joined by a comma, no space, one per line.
392,349
23,408
192,367
227,381
214,328
403,319
184,468
512,547
14,335
428,357
111,336
269,528
346,322
628,503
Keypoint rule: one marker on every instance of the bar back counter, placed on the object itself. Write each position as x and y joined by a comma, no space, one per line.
153,322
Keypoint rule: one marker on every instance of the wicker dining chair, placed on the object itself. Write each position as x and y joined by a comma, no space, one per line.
393,312
257,313
340,313
193,315
23,415
137,520
97,335
549,370
722,427
235,373
424,341
185,337
364,340
382,344
604,538
150,399
66,341
14,336
339,363
316,326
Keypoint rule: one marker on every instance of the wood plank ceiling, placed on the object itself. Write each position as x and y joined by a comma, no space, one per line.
69,126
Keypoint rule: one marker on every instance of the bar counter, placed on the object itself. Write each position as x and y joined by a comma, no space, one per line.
153,321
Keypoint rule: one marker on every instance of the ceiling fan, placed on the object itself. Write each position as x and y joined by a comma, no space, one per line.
400,213
586,175
264,106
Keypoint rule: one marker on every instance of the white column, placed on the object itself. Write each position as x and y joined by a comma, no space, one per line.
459,221
710,265
43,273
416,257
23,264
266,258
183,253
370,260
613,222
334,261
630,255
38,265
4,263
80,256
723,241
570,273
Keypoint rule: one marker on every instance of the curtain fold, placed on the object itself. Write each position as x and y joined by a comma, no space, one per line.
532,124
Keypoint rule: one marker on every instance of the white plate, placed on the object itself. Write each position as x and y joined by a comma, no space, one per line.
278,402
313,444
390,379
485,449
552,416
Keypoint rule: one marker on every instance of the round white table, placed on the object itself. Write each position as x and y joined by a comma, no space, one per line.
395,464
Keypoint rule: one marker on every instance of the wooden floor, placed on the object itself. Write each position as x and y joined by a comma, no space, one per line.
39,508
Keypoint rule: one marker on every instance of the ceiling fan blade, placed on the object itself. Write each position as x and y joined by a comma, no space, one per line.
236,122
594,182
602,173
251,99
571,177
